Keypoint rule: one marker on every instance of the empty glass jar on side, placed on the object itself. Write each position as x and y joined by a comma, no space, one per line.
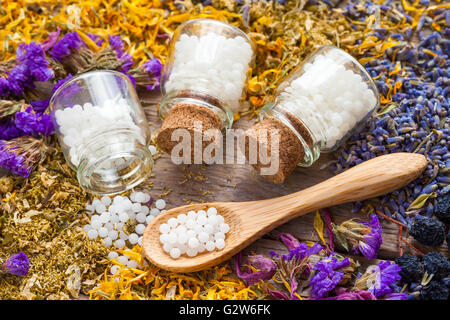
204,78
322,102
103,132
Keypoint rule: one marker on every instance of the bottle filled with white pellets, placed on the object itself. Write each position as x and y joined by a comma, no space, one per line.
103,131
193,233
322,102
204,78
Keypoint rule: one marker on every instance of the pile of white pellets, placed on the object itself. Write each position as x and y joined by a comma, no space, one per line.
193,233
109,216
330,99
79,125
211,64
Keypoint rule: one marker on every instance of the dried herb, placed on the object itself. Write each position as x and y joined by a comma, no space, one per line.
49,231
150,282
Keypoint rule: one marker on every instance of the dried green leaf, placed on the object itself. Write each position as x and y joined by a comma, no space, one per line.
420,201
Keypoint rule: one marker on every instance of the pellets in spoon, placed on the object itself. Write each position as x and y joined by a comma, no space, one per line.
193,233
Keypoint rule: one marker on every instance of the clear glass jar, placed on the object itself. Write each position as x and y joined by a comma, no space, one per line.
103,132
324,101
207,69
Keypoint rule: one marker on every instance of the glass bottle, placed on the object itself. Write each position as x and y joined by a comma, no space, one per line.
103,132
322,103
205,76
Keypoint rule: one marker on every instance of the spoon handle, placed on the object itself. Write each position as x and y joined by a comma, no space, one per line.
372,178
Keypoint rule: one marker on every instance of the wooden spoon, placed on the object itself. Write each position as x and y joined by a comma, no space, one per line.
249,221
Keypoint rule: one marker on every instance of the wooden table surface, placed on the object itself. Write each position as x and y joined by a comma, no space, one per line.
235,182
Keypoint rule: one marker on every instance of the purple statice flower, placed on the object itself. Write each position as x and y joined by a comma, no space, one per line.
372,240
69,42
292,267
118,46
326,277
20,155
40,105
31,66
302,251
8,129
17,264
33,57
154,68
266,268
4,86
378,279
344,294
360,237
148,75
34,124
18,79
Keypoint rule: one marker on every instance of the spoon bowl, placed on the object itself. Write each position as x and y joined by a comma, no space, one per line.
250,220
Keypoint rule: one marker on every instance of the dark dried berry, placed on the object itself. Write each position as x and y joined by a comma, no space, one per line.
435,263
411,267
442,211
427,231
435,290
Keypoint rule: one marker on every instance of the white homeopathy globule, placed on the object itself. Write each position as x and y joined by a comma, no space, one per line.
118,225
193,233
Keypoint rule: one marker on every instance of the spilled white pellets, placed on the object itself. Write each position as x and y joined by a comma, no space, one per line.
121,221
193,233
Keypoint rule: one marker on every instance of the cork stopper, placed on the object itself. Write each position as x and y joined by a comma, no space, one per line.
290,149
184,116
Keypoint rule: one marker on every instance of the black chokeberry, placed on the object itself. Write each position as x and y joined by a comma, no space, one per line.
435,290
427,231
435,263
442,211
411,268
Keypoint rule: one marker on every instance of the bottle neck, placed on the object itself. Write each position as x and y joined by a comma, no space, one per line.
201,99
114,161
308,141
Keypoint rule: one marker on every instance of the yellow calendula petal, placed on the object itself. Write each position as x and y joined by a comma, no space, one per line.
318,226
91,44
